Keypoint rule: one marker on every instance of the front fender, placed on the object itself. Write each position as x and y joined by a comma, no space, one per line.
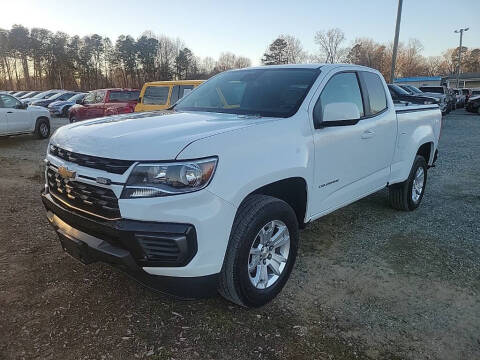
255,156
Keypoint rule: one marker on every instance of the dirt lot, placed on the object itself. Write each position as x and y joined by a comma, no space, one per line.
369,283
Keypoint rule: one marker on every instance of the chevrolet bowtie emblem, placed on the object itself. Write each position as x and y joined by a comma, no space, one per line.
65,173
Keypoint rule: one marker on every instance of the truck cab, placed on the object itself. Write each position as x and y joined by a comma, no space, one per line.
104,102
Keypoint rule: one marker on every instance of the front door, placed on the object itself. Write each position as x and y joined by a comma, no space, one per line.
17,118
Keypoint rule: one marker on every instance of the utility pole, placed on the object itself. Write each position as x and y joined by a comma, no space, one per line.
395,41
460,54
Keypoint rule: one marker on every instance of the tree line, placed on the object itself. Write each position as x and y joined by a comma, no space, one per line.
40,59
286,49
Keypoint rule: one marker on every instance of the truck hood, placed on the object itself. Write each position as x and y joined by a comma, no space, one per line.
145,136
37,109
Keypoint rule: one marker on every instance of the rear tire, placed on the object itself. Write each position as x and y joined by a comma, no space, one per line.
408,195
73,119
239,281
43,129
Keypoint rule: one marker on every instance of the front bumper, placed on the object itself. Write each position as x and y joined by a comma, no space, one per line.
132,245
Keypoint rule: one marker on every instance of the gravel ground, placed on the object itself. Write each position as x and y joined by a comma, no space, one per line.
369,283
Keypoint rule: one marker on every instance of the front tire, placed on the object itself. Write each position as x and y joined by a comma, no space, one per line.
408,194
261,252
43,129
73,119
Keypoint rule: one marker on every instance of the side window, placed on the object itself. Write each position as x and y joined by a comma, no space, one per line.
376,92
90,98
9,102
156,95
340,100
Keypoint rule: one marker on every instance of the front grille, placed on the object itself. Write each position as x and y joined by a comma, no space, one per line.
95,162
162,248
90,198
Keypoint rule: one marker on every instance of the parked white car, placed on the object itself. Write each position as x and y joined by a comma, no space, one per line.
17,118
212,196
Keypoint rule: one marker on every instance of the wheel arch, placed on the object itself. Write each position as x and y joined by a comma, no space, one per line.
292,190
40,118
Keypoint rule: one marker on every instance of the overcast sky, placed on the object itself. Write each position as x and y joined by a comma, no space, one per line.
246,27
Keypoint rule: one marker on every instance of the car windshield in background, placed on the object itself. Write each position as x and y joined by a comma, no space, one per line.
77,97
433,89
41,95
415,89
399,90
476,92
156,95
264,92
55,96
121,96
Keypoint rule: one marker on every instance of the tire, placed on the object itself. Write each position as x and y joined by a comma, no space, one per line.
42,129
65,111
401,195
254,216
73,119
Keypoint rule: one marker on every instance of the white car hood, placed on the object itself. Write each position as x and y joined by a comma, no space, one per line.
144,136
38,110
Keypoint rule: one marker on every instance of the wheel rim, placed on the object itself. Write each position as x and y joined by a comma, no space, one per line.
73,119
43,129
418,183
269,254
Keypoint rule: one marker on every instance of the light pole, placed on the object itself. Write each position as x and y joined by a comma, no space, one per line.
460,54
395,41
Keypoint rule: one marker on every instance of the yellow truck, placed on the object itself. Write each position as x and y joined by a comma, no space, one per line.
160,95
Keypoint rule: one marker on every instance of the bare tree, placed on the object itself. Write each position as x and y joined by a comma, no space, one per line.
330,44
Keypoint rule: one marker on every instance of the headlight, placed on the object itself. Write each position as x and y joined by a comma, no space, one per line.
164,179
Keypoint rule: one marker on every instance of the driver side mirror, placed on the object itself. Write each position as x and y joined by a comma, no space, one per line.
335,114
80,102
21,106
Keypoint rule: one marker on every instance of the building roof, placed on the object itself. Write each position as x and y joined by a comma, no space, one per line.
419,78
468,75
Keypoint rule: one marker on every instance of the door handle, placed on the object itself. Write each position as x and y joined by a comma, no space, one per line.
367,134
9,112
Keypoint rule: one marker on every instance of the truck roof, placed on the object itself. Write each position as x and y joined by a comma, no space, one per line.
175,82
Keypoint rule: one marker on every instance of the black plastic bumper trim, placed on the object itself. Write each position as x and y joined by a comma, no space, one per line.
90,241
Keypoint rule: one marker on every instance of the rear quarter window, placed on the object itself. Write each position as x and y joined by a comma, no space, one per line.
376,92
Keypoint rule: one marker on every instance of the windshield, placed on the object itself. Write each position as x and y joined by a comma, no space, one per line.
398,89
29,95
77,97
264,92
40,95
434,89
415,89
55,96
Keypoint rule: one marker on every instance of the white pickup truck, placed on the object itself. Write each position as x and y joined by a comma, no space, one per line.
211,197
17,118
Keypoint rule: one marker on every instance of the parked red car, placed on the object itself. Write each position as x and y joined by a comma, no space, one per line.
104,102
